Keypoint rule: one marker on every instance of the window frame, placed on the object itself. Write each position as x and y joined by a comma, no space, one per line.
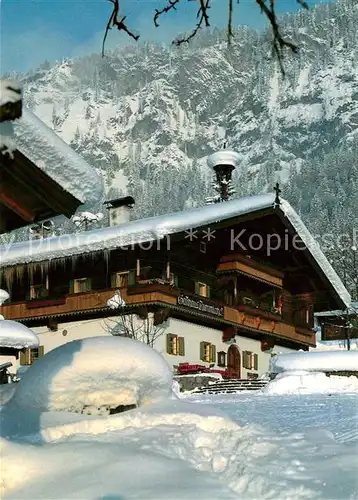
77,281
179,345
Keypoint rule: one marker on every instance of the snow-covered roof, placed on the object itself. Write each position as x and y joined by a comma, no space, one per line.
10,92
58,160
16,335
316,252
156,228
130,233
353,309
315,361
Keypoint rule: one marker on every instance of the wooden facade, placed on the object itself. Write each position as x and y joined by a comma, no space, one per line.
271,298
28,195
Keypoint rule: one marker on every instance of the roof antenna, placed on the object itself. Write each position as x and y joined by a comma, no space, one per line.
278,191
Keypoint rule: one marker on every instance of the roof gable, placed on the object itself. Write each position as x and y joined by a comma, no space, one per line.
156,228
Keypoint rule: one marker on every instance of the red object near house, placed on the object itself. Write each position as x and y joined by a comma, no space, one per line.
192,369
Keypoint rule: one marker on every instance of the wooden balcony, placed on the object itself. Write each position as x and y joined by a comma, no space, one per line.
245,318
242,316
237,263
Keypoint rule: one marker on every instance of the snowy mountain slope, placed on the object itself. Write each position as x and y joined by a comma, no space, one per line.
148,115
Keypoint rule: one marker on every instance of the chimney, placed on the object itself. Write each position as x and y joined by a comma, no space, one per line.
119,210
223,163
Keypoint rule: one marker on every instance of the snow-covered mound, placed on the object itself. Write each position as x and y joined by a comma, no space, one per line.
6,392
16,335
306,382
332,361
94,375
168,450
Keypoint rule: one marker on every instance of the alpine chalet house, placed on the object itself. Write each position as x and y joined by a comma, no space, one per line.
224,285
41,176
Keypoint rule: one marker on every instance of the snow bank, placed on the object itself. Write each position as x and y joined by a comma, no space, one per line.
315,361
94,375
6,392
170,450
16,335
305,382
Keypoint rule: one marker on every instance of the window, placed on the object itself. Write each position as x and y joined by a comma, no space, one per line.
221,358
38,291
120,280
250,360
207,352
175,345
29,356
80,285
202,289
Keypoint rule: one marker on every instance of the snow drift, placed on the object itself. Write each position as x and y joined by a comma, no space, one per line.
16,335
95,375
332,361
306,382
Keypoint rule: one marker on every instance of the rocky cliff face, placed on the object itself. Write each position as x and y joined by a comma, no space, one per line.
148,115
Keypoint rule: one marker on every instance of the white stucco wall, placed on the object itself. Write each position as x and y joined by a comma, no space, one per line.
192,333
75,331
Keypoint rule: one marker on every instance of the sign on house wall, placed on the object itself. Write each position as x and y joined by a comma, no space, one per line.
199,305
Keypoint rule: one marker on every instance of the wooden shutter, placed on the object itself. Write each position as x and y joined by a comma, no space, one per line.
181,346
72,286
169,343
256,361
197,288
213,353
24,355
202,350
246,360
114,280
208,291
41,351
131,277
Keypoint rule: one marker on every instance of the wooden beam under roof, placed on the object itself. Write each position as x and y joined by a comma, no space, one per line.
30,194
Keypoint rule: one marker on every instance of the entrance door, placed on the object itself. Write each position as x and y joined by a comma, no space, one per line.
234,361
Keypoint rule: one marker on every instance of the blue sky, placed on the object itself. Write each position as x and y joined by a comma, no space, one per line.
35,30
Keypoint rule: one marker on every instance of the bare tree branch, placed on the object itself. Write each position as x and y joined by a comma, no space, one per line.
230,34
203,17
171,6
114,21
279,43
138,327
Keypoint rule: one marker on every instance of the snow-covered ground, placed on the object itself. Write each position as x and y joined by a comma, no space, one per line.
242,446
